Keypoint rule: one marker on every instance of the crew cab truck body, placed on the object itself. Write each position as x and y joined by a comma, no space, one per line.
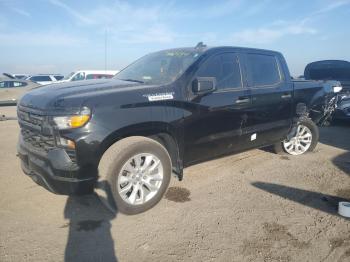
125,136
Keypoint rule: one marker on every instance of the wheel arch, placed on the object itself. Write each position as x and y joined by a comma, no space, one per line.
164,133
303,110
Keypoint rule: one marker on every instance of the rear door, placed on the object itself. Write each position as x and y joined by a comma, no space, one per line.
215,126
270,116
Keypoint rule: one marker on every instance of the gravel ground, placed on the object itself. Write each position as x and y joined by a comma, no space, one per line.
254,206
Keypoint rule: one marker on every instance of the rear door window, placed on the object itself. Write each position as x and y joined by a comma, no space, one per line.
262,70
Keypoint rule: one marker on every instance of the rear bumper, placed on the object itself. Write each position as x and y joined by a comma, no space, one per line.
53,170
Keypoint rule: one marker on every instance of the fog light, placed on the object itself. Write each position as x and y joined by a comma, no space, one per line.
66,143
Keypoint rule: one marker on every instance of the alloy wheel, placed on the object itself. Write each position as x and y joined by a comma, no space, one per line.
300,143
140,179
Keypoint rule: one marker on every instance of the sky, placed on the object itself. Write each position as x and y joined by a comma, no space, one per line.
60,36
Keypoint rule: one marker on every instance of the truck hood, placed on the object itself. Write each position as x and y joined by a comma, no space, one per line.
71,95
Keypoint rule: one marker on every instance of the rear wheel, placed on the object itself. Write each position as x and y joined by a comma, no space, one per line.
303,139
135,173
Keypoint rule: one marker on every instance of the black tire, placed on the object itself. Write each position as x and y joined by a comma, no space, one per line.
113,160
279,149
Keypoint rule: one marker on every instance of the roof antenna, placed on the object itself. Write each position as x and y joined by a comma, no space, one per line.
200,45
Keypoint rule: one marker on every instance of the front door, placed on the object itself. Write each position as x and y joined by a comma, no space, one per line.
215,125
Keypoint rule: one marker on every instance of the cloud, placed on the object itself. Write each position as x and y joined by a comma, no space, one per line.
133,24
326,9
280,28
332,6
3,22
50,38
124,22
144,23
220,8
257,8
33,68
81,18
265,35
123,15
156,33
21,12
202,11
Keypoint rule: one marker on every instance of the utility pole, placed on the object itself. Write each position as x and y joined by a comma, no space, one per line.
105,49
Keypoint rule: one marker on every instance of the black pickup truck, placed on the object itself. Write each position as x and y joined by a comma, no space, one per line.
126,136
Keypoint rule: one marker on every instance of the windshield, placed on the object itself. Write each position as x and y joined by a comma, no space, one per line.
69,76
159,68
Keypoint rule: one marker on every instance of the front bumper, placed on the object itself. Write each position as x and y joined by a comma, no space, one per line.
53,170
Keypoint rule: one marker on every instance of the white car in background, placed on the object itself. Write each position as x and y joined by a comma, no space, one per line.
89,74
45,79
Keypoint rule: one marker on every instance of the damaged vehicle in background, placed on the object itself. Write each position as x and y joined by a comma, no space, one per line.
171,109
333,70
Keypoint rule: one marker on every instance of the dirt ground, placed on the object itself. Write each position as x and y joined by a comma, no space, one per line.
254,206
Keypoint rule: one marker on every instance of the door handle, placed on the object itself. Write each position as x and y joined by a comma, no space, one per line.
242,100
285,96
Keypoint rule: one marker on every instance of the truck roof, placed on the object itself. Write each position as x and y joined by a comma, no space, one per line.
204,49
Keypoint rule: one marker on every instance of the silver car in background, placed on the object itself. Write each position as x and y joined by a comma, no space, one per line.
11,89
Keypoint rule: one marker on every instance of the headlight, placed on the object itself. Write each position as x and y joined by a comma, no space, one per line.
74,121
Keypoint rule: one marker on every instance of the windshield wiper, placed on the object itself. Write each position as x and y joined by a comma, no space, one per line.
133,80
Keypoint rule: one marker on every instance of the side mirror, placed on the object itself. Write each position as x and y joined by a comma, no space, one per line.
202,85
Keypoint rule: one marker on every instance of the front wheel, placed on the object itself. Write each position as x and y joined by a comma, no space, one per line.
303,139
136,172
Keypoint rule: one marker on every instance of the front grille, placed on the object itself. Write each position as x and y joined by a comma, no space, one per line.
35,132
31,120
31,130
37,140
